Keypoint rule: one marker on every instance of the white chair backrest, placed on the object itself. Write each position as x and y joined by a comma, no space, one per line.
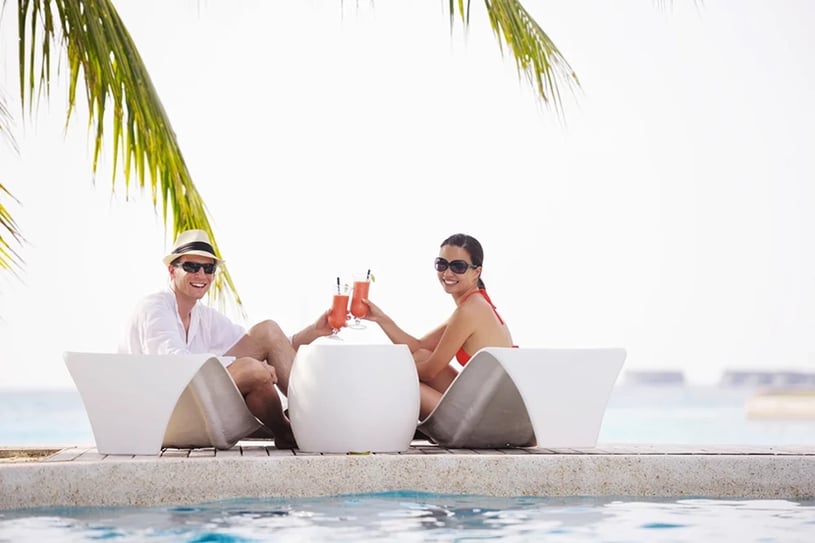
521,397
138,404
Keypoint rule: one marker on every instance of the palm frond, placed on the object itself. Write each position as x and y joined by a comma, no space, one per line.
6,122
536,55
9,259
463,11
120,94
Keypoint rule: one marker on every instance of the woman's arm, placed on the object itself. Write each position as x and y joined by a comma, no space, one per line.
459,327
431,340
399,336
394,333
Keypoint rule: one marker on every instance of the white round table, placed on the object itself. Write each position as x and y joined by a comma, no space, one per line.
353,398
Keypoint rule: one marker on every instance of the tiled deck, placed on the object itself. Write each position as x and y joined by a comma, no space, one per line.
80,476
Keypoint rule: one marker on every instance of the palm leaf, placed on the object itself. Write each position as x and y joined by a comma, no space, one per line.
9,233
5,125
536,56
9,259
120,94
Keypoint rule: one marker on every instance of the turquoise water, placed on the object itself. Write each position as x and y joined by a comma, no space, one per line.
420,517
694,415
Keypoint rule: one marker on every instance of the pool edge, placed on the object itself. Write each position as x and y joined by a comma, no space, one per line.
82,477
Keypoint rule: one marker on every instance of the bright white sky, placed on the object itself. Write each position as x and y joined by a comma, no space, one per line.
670,215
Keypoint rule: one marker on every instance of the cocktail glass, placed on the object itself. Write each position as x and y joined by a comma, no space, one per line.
338,315
359,308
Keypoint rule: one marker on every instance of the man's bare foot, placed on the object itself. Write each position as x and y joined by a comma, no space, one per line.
285,440
283,436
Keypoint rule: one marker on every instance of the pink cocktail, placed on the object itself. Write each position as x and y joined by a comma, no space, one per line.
359,308
338,314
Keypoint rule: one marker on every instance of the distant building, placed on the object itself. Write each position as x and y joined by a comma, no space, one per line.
654,377
766,378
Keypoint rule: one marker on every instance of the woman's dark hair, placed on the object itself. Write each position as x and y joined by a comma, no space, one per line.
472,246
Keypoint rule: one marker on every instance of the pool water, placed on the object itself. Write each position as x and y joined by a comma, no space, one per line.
411,516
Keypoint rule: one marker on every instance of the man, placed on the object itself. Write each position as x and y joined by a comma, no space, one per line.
173,322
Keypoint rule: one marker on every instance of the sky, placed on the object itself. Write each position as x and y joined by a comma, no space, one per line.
667,212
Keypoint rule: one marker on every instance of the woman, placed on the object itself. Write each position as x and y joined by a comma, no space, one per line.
474,324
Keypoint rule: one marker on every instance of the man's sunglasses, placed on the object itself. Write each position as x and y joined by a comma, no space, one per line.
456,266
193,267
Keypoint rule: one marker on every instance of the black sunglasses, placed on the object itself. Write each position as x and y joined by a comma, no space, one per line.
193,267
456,266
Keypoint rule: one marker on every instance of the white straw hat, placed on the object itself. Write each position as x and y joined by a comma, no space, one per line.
192,242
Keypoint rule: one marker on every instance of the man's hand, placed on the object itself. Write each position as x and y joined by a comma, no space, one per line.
272,372
321,326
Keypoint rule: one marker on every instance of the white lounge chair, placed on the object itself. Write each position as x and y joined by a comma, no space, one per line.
510,397
139,404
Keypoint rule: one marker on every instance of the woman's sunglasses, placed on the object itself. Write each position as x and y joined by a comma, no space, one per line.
456,266
193,267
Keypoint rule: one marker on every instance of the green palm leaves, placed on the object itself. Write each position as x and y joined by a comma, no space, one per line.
126,113
9,259
536,56
120,97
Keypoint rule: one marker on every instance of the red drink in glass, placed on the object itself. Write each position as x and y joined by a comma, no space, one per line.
358,307
339,312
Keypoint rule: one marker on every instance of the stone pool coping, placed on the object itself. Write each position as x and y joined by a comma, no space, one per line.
80,476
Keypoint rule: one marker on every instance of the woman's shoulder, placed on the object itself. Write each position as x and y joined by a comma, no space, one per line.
476,299
473,304
479,308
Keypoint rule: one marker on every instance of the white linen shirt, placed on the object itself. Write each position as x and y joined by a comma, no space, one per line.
155,327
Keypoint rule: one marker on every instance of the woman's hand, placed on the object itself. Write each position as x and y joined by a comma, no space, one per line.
375,314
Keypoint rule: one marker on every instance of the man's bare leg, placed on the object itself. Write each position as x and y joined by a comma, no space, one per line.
266,341
256,380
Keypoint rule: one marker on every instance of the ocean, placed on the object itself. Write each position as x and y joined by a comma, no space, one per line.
652,414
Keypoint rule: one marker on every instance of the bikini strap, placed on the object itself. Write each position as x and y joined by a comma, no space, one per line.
473,292
486,296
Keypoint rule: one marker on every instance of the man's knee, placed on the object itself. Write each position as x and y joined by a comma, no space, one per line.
268,330
251,374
